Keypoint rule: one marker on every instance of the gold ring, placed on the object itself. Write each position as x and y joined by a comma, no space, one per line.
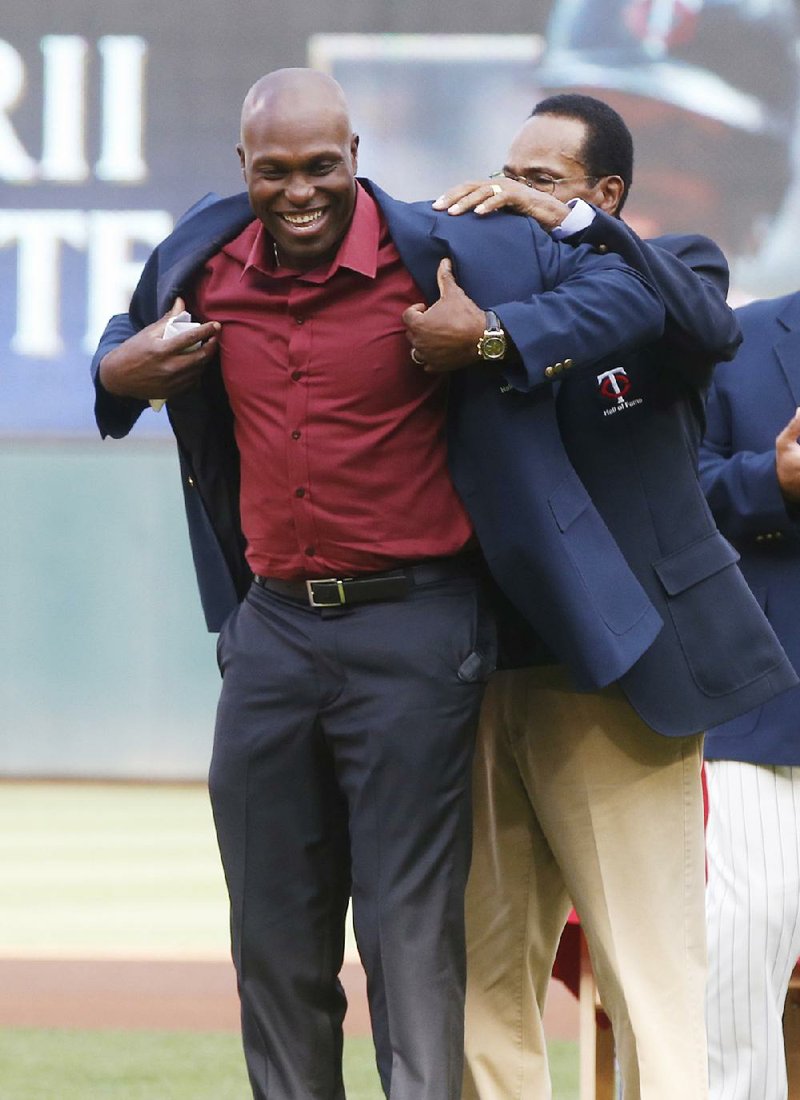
497,189
417,358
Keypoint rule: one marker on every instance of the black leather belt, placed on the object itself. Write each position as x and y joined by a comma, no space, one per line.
371,587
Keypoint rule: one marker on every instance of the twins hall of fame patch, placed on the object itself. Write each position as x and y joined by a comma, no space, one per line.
616,392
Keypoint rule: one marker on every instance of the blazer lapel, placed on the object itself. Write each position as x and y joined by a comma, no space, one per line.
787,347
196,238
411,226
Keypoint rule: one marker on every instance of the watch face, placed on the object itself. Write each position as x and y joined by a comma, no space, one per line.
493,347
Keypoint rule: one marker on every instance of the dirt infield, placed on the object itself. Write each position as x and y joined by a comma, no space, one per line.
158,995
169,995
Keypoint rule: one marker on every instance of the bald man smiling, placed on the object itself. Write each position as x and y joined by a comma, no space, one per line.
334,550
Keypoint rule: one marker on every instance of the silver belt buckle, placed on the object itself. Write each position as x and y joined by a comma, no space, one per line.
326,580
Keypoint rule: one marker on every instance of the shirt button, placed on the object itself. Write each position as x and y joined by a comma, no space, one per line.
299,320
300,492
295,434
297,375
311,551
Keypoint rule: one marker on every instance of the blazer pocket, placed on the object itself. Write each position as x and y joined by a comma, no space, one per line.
722,631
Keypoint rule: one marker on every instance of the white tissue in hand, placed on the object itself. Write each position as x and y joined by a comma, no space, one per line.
181,322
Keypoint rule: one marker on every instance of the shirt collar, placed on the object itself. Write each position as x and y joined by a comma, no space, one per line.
358,251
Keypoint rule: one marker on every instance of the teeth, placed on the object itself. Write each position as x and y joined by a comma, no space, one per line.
302,219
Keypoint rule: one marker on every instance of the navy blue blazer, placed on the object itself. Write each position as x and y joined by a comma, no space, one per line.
545,541
636,453
750,401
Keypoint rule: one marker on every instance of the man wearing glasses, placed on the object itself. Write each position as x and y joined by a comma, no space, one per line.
594,798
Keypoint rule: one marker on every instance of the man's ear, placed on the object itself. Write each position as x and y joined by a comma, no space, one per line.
608,193
354,152
240,151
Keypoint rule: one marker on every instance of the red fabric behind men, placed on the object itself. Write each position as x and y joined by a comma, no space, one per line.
341,436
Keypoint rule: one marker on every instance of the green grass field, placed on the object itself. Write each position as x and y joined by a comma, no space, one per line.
103,871
113,1065
97,870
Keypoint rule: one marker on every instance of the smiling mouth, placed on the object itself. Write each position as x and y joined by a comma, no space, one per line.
302,221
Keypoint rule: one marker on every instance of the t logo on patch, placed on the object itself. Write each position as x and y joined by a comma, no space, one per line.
614,384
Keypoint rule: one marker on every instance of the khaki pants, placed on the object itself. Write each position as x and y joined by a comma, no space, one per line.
577,800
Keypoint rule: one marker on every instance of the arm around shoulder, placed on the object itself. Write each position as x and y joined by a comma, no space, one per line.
691,275
597,310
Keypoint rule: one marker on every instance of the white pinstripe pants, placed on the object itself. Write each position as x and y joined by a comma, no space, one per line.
753,918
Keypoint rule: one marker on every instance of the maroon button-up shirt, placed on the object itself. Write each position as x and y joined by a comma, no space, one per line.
341,436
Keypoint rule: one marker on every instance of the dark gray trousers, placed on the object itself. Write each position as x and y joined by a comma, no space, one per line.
341,765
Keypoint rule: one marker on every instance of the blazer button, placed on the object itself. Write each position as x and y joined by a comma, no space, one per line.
759,538
549,372
567,364
602,248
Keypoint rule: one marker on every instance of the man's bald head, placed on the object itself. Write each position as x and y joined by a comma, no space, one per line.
298,154
298,91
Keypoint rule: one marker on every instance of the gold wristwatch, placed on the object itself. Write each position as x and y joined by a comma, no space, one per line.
492,345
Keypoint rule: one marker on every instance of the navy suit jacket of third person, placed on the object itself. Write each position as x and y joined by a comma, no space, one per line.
751,400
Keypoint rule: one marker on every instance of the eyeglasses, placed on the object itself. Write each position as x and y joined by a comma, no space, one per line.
540,182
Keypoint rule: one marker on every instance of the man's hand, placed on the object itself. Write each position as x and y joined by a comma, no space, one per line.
147,366
502,193
444,337
787,459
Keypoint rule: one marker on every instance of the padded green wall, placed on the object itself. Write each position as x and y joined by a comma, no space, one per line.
106,668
